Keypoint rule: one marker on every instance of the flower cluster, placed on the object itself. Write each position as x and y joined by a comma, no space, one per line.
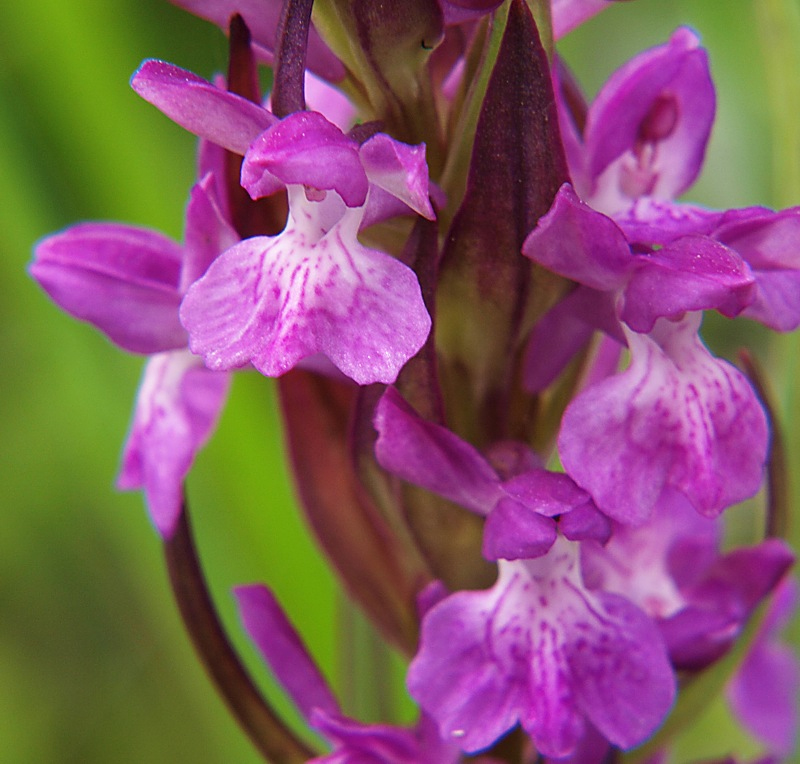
483,301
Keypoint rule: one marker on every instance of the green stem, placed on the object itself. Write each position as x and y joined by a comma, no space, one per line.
274,740
365,667
779,30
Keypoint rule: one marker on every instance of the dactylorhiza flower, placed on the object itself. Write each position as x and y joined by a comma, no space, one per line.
128,282
647,267
643,146
538,648
676,417
314,289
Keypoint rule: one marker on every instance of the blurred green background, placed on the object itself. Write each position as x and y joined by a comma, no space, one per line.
94,666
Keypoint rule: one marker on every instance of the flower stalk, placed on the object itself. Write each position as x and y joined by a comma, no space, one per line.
269,734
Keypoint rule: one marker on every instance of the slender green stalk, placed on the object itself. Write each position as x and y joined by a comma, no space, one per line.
365,667
779,32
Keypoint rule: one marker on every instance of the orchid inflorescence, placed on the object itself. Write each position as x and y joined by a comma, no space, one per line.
482,303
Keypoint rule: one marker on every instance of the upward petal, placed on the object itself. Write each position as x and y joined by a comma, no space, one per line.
283,650
431,456
575,241
521,524
768,241
262,17
660,221
400,170
764,692
305,148
207,232
647,130
569,14
203,109
357,743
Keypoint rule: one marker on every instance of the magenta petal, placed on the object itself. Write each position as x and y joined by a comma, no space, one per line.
564,331
473,699
740,580
207,232
273,301
617,657
368,743
283,650
540,649
520,525
212,160
569,14
764,692
555,340
400,170
460,11
697,637
381,205
719,603
548,493
575,241
770,243
307,149
328,100
121,279
514,531
691,273
203,109
660,221
676,417
585,523
592,749
432,457
764,695
659,107
356,743
176,410
777,301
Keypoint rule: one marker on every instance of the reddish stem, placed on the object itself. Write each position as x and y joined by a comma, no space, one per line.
276,742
